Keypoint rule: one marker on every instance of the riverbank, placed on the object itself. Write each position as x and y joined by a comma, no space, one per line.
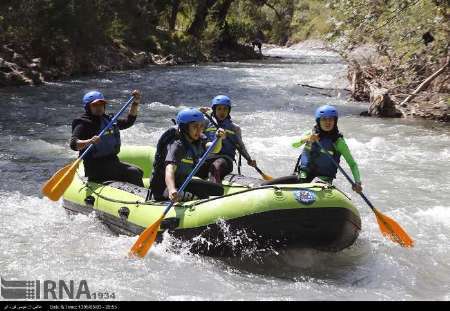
391,89
418,89
21,65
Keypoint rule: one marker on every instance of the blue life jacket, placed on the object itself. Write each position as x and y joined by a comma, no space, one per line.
228,148
314,161
109,143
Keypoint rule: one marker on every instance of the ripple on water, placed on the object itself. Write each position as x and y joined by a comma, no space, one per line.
403,167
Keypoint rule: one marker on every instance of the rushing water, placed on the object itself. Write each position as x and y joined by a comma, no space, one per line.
404,166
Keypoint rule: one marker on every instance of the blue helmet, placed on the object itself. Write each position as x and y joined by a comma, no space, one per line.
189,115
92,96
221,100
326,111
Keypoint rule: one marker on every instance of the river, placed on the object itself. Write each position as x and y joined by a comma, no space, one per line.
404,166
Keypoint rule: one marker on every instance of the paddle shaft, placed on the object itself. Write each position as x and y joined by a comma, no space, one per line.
346,175
196,168
108,125
297,163
394,228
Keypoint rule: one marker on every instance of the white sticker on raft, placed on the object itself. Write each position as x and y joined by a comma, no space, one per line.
306,197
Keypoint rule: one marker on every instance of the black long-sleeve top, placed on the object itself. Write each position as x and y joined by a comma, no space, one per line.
88,125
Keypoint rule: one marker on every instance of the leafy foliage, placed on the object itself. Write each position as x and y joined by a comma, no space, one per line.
54,27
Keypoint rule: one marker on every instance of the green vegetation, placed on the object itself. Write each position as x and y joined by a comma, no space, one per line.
409,34
51,26
76,35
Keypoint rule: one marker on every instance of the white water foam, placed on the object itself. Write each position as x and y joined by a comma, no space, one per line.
403,166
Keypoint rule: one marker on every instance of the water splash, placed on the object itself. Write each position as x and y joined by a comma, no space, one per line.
403,166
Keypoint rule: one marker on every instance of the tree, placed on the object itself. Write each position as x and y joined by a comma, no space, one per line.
173,14
199,22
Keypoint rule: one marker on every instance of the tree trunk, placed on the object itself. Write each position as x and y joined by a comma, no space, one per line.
222,12
425,83
271,6
381,104
173,15
224,39
199,23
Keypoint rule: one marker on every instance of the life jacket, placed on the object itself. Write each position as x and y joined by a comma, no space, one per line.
187,162
109,143
193,153
228,144
315,162
161,148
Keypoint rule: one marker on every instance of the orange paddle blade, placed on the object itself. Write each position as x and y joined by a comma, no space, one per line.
392,230
146,239
266,177
55,187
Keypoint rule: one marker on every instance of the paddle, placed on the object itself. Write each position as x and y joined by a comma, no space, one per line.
388,227
297,163
55,187
264,176
148,236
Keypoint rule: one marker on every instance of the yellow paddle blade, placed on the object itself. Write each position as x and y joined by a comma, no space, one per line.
392,230
55,187
146,239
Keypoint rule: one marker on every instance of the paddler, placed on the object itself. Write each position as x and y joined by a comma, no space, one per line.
221,163
313,161
101,163
178,151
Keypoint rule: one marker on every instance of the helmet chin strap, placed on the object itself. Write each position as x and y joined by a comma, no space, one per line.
185,131
88,109
321,129
335,122
189,136
215,116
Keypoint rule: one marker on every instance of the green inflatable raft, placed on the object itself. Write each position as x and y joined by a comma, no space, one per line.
248,216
